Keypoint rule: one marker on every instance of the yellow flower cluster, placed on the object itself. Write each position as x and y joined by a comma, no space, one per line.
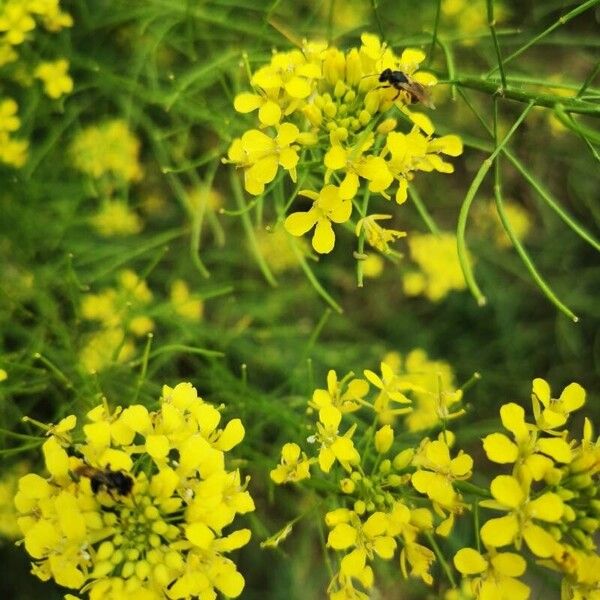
19,18
329,113
135,505
391,495
550,500
469,17
122,314
13,151
108,150
116,218
8,489
486,218
18,21
118,311
439,268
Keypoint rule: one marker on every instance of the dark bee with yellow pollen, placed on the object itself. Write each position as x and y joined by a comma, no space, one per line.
110,481
402,82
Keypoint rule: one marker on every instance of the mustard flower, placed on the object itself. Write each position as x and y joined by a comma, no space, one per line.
15,22
295,466
532,454
346,396
363,540
184,303
376,235
332,445
496,574
328,207
555,412
102,524
115,218
440,271
261,155
55,78
9,121
108,149
523,512
389,392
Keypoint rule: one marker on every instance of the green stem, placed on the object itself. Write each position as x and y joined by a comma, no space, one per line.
422,210
551,202
441,559
520,95
558,23
546,290
492,25
466,205
249,230
434,35
588,80
313,279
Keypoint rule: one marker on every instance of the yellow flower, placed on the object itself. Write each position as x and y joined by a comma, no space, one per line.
555,412
261,155
55,77
333,446
15,22
377,236
520,524
184,303
531,453
294,466
436,471
368,539
151,531
104,348
389,392
437,258
346,396
107,149
13,152
9,121
116,218
496,574
327,207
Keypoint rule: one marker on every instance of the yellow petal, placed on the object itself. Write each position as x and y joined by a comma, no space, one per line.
246,102
540,542
411,57
323,239
448,144
200,535
499,532
509,564
287,133
231,436
298,87
557,448
548,507
500,449
541,389
573,397
301,222
469,561
157,446
341,537
507,490
288,158
269,113
335,158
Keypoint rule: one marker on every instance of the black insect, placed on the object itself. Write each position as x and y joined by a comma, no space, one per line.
111,481
401,82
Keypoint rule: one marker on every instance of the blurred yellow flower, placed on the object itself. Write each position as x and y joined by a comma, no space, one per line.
440,272
55,77
184,303
115,218
107,149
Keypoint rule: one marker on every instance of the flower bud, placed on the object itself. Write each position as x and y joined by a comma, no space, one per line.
403,459
384,438
347,485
